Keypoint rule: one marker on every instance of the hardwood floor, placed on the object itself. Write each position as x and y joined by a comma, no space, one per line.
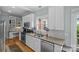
20,44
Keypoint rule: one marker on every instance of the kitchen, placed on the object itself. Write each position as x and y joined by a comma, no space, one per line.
39,45
41,28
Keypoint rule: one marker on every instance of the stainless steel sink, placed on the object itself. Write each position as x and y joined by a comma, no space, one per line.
38,35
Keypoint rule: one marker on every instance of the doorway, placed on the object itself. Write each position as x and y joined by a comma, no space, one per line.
77,32
75,29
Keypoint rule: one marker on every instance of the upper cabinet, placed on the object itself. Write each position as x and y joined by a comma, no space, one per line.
56,18
51,17
14,22
18,22
28,18
59,24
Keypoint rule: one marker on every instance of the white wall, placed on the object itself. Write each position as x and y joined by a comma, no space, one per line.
54,33
40,13
57,33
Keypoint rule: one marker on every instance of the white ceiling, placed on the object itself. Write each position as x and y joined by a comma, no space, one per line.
20,10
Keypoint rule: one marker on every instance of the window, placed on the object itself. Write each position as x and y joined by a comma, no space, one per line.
41,23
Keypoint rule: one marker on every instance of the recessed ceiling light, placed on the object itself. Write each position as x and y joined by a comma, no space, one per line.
9,10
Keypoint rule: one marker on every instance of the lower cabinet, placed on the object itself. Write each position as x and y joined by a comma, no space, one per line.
33,43
67,49
57,48
10,34
46,46
27,40
40,45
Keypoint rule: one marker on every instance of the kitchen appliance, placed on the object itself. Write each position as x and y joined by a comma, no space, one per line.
25,30
23,37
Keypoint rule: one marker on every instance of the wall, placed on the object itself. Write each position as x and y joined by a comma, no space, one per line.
4,16
53,33
57,34
40,13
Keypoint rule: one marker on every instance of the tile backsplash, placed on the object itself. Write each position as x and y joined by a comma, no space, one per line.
56,33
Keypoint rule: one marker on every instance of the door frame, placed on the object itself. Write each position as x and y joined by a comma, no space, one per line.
74,29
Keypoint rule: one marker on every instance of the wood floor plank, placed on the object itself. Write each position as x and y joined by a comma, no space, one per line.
19,43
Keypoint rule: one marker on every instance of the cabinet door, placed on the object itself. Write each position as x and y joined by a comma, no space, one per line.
30,41
37,45
59,22
32,20
49,47
10,35
33,43
46,47
18,22
57,48
42,46
51,17
27,40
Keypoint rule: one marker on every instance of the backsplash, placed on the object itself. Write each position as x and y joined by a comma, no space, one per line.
56,33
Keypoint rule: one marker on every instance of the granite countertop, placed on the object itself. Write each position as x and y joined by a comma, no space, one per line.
52,40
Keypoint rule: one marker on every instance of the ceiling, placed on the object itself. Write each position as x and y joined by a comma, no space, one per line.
20,10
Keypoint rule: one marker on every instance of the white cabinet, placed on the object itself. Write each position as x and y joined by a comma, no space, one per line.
14,22
59,23
27,40
13,34
33,43
56,18
57,48
10,35
37,44
28,18
18,22
46,46
51,17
